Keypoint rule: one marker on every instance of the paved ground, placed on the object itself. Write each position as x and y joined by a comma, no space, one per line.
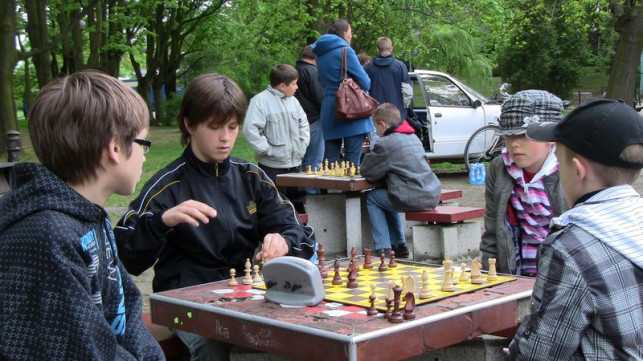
472,195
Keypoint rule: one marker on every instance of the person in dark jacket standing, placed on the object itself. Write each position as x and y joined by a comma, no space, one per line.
397,158
340,132
310,94
390,82
64,294
207,212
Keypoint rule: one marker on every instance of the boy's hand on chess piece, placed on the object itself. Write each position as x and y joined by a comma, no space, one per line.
191,212
274,245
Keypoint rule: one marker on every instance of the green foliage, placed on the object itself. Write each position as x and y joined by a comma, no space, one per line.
546,46
171,108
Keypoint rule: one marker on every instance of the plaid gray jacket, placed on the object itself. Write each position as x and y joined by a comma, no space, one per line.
587,303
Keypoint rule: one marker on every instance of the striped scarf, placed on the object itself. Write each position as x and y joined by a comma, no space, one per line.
533,210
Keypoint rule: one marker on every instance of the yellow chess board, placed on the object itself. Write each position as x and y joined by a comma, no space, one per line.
359,296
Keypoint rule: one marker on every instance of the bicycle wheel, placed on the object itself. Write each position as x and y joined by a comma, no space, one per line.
483,145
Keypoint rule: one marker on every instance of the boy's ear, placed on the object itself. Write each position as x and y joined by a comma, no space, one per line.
187,125
114,151
580,168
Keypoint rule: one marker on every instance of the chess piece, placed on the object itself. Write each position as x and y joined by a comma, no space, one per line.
257,278
321,252
396,314
389,292
409,306
448,265
337,279
447,285
476,276
247,278
464,277
309,169
372,311
492,275
367,259
382,266
389,304
408,284
392,263
425,292
352,277
233,281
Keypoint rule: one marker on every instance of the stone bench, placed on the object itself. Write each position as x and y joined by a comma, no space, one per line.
446,230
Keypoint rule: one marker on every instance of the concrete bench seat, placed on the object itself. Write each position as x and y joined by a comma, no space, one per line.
446,214
445,230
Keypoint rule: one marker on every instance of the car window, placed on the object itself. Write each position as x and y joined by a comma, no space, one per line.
443,92
418,97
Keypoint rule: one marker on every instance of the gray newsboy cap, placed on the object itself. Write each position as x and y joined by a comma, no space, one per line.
528,107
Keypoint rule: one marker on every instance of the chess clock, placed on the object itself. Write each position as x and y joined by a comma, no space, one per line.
293,281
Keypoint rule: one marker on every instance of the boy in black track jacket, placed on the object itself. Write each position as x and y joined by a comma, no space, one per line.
207,212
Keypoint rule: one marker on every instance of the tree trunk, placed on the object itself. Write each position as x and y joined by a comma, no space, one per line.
158,101
8,57
95,23
37,29
624,73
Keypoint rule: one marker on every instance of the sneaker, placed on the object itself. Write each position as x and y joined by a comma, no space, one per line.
376,253
401,251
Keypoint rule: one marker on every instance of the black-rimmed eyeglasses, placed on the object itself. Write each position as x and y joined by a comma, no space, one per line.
146,144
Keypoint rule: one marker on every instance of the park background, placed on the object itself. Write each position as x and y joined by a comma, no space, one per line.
560,46
566,47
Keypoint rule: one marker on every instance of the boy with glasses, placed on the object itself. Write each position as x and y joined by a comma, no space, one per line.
64,293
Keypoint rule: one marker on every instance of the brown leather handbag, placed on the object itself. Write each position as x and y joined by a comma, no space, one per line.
352,102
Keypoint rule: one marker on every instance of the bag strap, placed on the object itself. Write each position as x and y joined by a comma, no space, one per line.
343,71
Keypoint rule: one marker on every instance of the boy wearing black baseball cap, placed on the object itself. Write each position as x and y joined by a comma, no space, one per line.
587,300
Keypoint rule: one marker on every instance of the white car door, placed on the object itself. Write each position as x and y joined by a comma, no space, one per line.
452,115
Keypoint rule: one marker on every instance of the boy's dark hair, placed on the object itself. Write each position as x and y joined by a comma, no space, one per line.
307,53
74,118
388,113
212,98
363,58
339,27
283,73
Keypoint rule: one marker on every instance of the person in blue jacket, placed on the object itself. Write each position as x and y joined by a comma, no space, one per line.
351,133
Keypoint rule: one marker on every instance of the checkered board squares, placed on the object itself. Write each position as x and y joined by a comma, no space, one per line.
359,296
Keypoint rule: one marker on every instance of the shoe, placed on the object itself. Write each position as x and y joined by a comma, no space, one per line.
401,251
378,252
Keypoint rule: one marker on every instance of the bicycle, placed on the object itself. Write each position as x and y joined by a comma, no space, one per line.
483,145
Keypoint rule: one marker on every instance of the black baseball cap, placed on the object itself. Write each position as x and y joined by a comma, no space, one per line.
599,129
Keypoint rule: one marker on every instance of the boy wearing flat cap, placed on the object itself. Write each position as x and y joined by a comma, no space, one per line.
587,300
522,189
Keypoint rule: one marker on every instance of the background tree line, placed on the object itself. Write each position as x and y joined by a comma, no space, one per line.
545,44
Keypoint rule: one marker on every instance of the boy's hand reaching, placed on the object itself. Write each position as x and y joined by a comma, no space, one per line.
274,245
191,212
